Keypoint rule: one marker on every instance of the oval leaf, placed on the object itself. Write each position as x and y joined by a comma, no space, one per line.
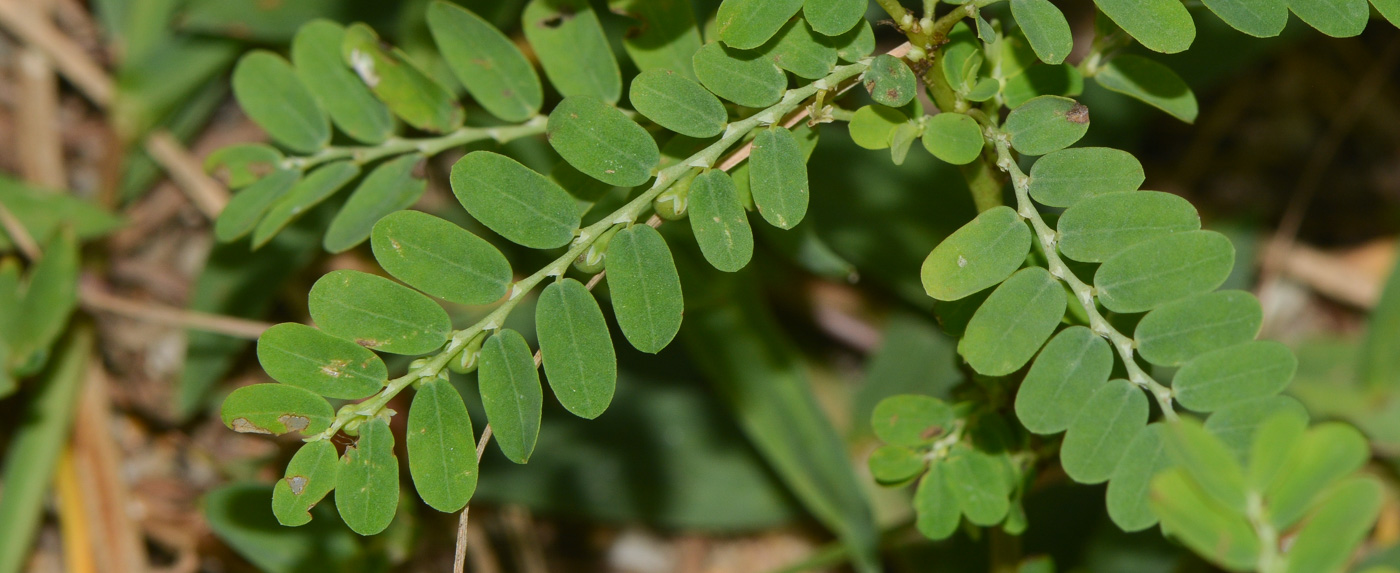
833,17
276,409
511,393
1179,331
1151,83
601,141
1337,526
269,91
392,186
873,126
241,165
1336,18
677,103
890,81
1161,25
1068,176
980,254
488,64
1165,269
979,485
1045,27
307,358
894,465
719,222
1095,229
1209,463
316,56
1071,367
1236,374
857,43
801,51
953,137
1047,123
441,449
572,48
367,485
664,37
1013,323
440,258
746,24
307,193
1130,484
1326,454
1237,423
576,348
377,313
248,206
778,177
310,476
1099,437
646,291
911,420
408,91
513,200
1259,18
745,78
936,504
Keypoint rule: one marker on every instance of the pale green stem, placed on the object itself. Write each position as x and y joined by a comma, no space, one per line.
626,215
1269,559
1083,292
428,146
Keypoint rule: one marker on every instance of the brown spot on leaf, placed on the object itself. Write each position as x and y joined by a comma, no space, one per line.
293,422
892,94
242,425
297,483
1078,114
931,432
564,15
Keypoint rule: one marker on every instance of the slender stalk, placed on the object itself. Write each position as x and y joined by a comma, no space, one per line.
427,146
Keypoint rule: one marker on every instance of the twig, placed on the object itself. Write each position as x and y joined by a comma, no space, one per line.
185,170
459,560
41,154
67,55
95,299
117,542
19,235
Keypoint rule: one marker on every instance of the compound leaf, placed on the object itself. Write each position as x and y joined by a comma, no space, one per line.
316,57
746,78
801,51
677,103
1336,18
953,137
778,177
307,358
1047,123
1333,531
1165,269
1235,374
601,141
310,476
719,222
439,258
1161,25
275,409
1178,331
833,17
747,24
489,65
307,193
1129,485
408,91
576,349
511,393
911,420
269,91
1074,364
646,291
247,207
571,46
980,254
1013,323
1151,83
513,200
392,186
377,313
1045,27
936,504
1095,229
978,483
1098,438
890,81
441,449
1259,18
1068,176
367,485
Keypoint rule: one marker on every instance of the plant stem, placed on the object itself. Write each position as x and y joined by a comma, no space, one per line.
626,215
428,146
984,184
1085,293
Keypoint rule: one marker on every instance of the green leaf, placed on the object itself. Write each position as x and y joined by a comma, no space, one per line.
392,186
1047,123
1165,269
1014,322
1199,522
953,137
1068,176
272,95
677,103
747,24
1235,374
911,420
489,65
1390,9
801,51
440,258
441,449
44,212
1336,18
1097,228
239,516
276,409
1038,80
367,485
1161,25
1151,83
1098,438
833,17
1326,453
1074,364
577,351
962,58
1272,445
895,465
238,166
980,254
1259,18
1129,485
1338,525
855,44
601,141
1209,462
49,300
316,57
718,220
665,36
513,200
309,359
778,177
979,485
873,126
511,393
247,207
1045,27
307,193
309,477
1237,423
936,504
377,313
746,78
1179,331
890,81
646,291
572,48
408,91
